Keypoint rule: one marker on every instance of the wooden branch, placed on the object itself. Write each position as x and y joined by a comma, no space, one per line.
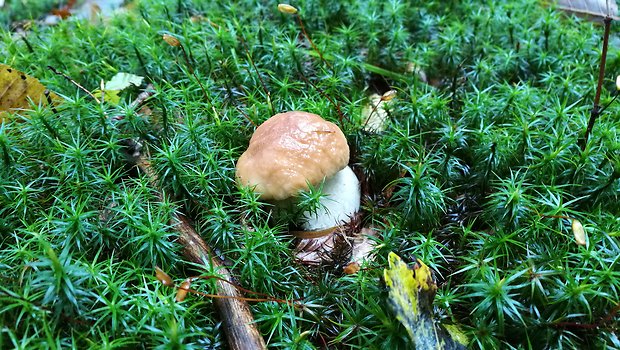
237,318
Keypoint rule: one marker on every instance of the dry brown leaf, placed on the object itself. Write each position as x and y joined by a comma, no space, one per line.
17,89
351,268
596,9
314,251
363,245
163,277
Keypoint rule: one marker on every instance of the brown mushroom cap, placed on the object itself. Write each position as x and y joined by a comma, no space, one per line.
290,150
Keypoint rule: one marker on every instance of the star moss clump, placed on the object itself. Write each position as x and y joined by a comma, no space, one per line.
477,173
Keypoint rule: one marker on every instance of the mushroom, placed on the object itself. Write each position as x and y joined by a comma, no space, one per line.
291,150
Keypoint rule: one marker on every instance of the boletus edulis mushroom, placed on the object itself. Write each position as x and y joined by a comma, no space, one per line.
291,150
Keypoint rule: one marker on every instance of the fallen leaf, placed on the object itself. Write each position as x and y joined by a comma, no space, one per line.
314,251
411,294
374,114
110,96
17,89
363,245
118,83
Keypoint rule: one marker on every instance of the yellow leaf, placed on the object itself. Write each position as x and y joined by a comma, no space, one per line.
286,8
411,293
111,96
18,89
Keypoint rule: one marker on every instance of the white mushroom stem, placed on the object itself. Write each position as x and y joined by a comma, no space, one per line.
340,201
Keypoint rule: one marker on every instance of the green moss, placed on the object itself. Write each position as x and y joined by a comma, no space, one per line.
467,176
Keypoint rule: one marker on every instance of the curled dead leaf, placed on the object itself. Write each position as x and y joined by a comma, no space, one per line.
579,232
183,290
163,277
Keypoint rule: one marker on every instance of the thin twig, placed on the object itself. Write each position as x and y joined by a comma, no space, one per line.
303,29
341,117
596,109
74,83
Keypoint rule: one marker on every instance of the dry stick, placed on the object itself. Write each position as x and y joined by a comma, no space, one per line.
74,83
237,318
596,109
341,117
303,29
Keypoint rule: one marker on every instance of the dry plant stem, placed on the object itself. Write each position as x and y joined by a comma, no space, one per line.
303,29
50,102
340,115
237,318
596,109
74,83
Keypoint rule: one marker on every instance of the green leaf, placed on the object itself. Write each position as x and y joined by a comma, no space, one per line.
121,81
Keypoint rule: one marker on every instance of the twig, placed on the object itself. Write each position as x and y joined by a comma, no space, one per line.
596,109
341,116
237,318
74,83
303,29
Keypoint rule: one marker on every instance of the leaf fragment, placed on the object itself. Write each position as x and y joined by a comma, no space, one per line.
114,86
374,113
